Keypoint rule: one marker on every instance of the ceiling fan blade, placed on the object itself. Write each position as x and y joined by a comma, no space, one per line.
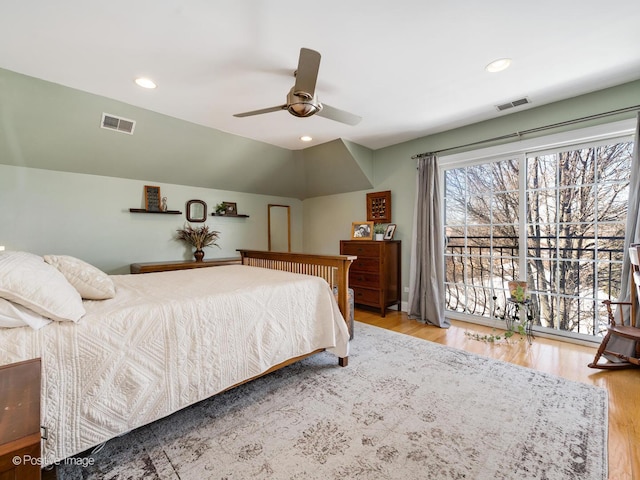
260,112
307,73
338,115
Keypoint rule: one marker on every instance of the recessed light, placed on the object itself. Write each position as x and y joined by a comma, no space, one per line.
145,83
498,65
306,138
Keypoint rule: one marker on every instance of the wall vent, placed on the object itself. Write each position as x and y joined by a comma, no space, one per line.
514,103
118,124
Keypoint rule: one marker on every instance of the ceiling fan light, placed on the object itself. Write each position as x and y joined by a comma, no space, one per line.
303,109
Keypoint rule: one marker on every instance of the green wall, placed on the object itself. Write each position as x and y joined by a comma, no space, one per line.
87,216
49,126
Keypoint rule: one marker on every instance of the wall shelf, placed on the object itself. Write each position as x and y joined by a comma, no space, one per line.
142,210
238,215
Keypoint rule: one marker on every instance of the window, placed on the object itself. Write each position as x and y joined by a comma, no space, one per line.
565,206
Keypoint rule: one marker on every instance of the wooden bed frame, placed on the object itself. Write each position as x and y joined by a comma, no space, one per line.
333,268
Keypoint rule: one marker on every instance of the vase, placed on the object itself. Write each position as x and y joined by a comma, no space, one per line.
199,254
379,237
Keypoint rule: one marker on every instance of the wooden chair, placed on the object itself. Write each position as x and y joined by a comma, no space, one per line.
621,344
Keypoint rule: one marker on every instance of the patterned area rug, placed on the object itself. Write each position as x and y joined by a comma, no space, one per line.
404,408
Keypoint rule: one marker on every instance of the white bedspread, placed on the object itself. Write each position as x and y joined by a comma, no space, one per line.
168,340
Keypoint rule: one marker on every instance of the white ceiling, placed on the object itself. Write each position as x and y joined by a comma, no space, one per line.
409,68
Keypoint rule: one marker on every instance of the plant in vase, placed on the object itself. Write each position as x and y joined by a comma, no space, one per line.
221,209
378,230
198,237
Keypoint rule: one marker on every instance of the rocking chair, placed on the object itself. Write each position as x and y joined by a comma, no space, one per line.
621,344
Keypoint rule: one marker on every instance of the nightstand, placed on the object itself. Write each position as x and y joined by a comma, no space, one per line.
20,421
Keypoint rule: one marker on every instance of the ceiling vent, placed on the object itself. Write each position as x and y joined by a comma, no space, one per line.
118,124
515,103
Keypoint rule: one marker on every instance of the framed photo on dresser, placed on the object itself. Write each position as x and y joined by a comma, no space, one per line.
362,231
390,231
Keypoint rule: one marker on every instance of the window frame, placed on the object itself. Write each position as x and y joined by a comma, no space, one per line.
620,131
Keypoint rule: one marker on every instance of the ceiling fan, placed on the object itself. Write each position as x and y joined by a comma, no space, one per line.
302,100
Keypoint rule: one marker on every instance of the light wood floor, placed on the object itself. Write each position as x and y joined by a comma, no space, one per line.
551,356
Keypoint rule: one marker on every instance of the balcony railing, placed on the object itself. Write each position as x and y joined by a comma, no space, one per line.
477,273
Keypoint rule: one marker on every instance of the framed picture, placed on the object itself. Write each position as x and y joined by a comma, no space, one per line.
152,198
391,229
362,231
230,208
379,207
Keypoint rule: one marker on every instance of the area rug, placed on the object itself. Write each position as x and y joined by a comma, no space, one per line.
404,408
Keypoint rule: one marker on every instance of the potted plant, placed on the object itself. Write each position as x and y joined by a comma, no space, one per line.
518,290
198,237
379,230
221,209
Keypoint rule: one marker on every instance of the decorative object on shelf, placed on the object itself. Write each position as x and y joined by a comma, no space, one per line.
227,209
390,231
230,208
518,290
152,198
362,231
378,230
379,207
164,207
196,211
198,237
220,209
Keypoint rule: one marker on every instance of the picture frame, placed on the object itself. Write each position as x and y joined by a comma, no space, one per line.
389,232
152,198
230,208
379,207
362,231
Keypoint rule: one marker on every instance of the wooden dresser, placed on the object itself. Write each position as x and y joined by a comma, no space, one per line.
181,265
375,276
20,421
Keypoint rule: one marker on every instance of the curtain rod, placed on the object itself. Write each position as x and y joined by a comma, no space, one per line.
532,130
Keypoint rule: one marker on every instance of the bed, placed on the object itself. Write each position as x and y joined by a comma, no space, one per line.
167,340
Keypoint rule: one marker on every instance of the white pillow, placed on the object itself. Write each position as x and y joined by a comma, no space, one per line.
14,315
27,280
91,283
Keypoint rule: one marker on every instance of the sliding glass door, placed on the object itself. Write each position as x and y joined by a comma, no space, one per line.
555,218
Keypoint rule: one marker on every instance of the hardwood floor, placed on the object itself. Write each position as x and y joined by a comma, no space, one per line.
551,356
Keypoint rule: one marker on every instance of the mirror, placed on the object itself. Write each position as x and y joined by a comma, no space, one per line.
279,225
196,211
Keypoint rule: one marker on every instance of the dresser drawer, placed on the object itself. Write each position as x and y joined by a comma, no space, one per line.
363,279
366,264
366,296
360,249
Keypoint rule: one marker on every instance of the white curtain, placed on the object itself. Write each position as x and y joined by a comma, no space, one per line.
426,276
632,233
